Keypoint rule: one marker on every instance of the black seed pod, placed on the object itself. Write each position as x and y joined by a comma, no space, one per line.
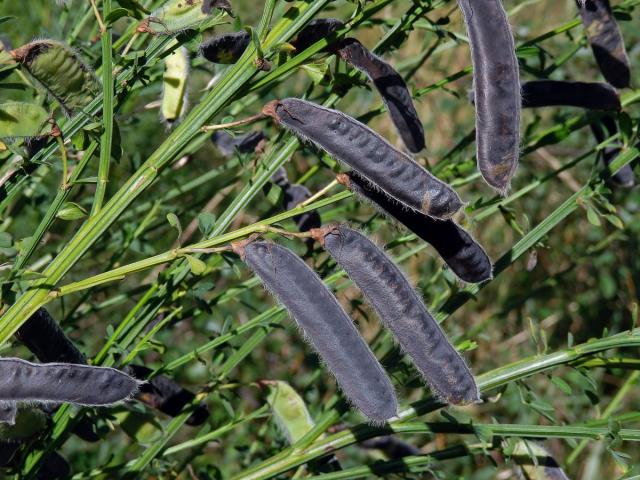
43,336
392,447
22,381
316,30
496,82
393,90
402,311
369,154
243,143
326,326
226,48
625,176
592,96
466,258
606,41
163,394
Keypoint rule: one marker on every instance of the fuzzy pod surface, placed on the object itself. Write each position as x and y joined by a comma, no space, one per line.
606,41
174,84
42,335
369,154
226,48
244,143
392,88
402,311
325,324
22,381
179,15
60,70
165,395
535,462
589,95
460,251
316,30
23,120
496,81
602,130
289,410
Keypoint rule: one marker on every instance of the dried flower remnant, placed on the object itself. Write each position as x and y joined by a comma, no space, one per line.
402,311
325,324
362,149
606,41
461,252
496,80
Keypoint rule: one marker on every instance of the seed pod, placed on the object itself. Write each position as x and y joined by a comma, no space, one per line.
8,411
392,447
535,463
393,90
316,30
466,258
592,96
226,48
295,194
179,15
60,70
174,84
163,394
19,119
606,41
369,154
245,143
22,381
289,410
624,177
325,324
42,335
402,311
496,82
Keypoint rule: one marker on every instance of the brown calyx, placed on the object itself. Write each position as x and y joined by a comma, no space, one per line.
344,180
271,110
319,234
27,53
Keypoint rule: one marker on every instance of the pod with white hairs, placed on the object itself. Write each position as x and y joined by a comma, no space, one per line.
174,84
402,311
316,30
551,93
496,80
606,41
325,324
226,48
392,88
22,381
460,251
179,15
366,152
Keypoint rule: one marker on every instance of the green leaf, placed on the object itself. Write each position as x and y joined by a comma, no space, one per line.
562,385
197,266
206,222
615,221
19,119
71,211
116,14
174,221
592,216
5,240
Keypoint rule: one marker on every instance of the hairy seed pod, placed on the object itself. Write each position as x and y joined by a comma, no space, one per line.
535,463
402,311
624,177
289,410
19,119
466,258
8,412
295,194
392,447
179,15
226,48
592,96
606,41
42,335
393,90
60,70
245,143
22,381
496,80
165,395
326,326
174,84
316,30
369,154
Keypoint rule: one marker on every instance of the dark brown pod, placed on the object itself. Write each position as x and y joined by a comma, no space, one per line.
402,311
496,80
226,48
606,41
550,93
369,154
392,88
244,143
165,395
316,30
325,325
466,258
